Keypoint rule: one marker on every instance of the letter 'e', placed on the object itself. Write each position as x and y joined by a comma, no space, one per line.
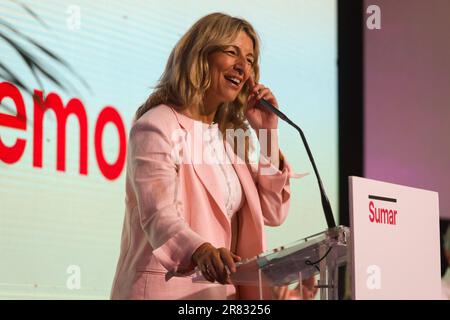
12,154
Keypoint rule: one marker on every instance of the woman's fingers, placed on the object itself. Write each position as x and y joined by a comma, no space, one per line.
221,273
309,288
282,293
257,88
203,257
206,273
236,258
310,283
216,267
224,264
216,264
212,269
258,92
227,258
264,93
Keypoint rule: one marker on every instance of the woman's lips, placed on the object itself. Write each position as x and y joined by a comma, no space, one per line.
235,82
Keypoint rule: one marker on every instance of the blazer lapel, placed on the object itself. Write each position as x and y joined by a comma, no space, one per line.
249,187
204,170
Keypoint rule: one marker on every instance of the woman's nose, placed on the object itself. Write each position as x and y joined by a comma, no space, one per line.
239,67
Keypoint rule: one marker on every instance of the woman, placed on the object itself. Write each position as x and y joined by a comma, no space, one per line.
182,213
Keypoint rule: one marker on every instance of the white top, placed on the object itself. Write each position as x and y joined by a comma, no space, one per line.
215,154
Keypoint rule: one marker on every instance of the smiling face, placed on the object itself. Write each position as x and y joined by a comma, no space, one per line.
229,68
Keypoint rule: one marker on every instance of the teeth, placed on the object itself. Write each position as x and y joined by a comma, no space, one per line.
234,80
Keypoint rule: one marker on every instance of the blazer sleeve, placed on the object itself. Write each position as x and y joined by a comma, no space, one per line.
273,186
153,173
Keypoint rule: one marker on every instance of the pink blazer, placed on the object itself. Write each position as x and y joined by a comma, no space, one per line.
172,208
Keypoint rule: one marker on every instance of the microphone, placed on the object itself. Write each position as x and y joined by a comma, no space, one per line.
325,202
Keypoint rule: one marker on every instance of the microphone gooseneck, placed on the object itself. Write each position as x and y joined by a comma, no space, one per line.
325,202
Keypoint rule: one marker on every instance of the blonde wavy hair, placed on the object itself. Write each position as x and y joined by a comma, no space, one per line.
186,76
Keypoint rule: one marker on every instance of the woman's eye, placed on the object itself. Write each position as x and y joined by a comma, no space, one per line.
250,61
231,52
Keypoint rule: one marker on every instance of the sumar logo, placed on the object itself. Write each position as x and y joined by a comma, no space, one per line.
380,213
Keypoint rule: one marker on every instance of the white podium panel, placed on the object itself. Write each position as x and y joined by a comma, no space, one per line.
395,241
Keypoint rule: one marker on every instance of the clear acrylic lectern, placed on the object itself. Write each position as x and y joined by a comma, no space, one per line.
321,253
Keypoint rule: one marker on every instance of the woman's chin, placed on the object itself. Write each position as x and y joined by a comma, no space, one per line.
231,98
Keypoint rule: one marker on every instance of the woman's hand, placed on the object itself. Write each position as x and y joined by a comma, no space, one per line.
309,288
258,116
214,262
309,291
